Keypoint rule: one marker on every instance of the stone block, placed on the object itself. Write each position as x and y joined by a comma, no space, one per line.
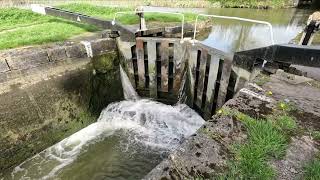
3,66
75,51
28,59
56,54
3,77
101,46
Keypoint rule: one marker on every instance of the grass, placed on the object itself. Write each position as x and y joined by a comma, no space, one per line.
166,3
316,135
312,170
262,79
267,139
20,27
285,123
128,19
253,3
11,18
42,33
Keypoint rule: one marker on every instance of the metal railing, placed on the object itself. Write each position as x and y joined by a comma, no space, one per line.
162,12
234,18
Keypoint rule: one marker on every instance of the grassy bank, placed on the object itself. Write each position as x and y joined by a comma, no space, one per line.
164,3
22,27
267,139
19,27
254,3
128,19
312,170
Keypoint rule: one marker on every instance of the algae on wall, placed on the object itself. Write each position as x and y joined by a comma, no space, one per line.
35,117
106,82
39,115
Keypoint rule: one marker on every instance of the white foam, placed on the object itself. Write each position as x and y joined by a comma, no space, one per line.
128,90
149,123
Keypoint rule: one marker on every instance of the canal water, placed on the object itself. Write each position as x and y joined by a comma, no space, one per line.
128,140
233,36
132,136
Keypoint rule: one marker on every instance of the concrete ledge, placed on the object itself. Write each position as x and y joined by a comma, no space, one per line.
75,51
28,59
31,57
102,46
57,54
3,66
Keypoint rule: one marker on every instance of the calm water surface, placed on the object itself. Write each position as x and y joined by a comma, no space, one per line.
232,36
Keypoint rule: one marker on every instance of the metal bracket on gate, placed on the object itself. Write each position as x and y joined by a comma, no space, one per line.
135,12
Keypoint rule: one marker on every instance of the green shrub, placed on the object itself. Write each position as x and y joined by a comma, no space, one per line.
312,170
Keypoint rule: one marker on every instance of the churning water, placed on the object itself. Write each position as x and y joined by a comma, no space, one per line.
129,139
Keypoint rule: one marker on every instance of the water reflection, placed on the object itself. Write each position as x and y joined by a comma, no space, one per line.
231,36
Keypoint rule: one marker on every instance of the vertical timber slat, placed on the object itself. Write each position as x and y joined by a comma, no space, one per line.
202,69
180,51
192,71
213,72
152,68
140,62
135,66
227,67
164,65
171,68
217,87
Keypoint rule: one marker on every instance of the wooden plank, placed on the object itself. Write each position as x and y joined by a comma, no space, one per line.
164,65
140,62
227,66
180,57
241,74
125,49
152,68
192,70
202,69
213,71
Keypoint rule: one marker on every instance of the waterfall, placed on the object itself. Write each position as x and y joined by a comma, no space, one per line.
143,123
182,95
128,90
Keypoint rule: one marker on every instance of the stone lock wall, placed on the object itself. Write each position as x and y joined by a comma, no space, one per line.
48,93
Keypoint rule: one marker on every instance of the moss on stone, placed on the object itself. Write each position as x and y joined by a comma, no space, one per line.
261,79
106,62
105,85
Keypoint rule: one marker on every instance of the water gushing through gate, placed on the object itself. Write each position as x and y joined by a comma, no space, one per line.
127,141
128,91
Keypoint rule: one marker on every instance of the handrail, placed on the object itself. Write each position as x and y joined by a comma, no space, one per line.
234,18
163,12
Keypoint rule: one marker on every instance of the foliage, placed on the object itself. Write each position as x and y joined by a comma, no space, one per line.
19,27
128,18
252,3
13,17
42,33
262,79
312,170
316,135
266,139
